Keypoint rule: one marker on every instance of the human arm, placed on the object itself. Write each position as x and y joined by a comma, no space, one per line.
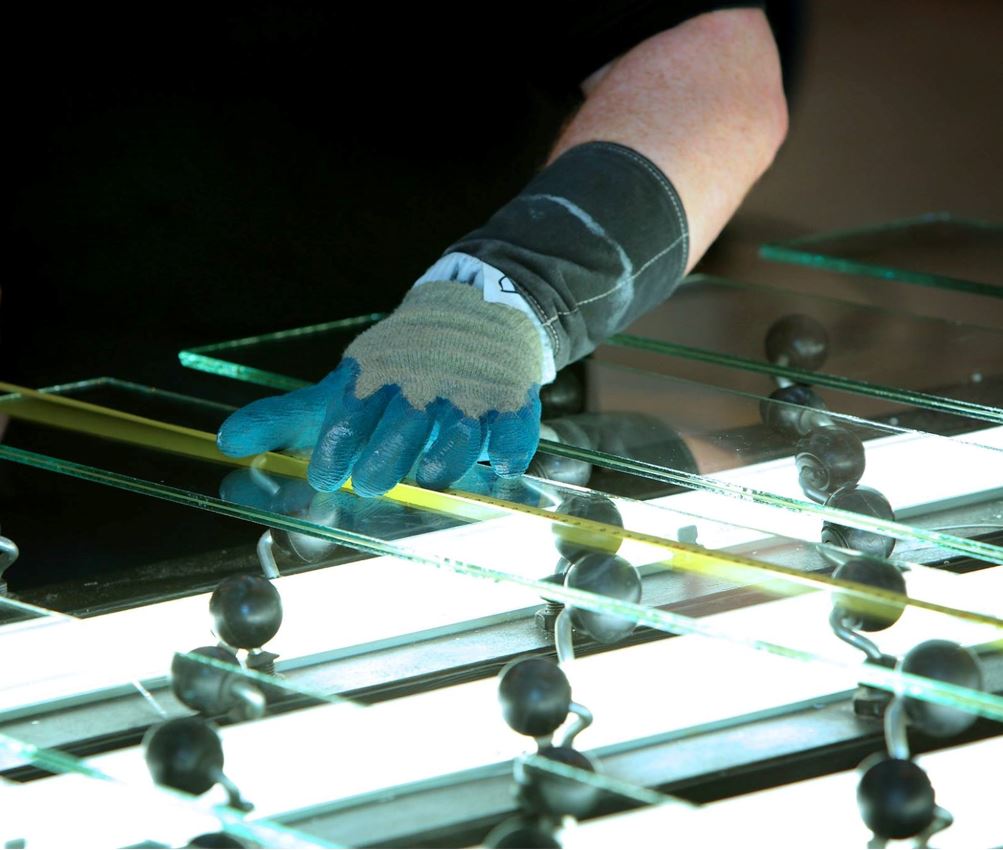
686,119
670,138
704,101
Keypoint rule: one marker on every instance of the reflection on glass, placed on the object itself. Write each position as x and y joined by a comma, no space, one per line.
937,249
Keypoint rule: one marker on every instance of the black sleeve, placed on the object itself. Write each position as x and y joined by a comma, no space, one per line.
596,239
575,38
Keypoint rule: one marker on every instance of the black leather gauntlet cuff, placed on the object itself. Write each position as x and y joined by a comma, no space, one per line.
595,240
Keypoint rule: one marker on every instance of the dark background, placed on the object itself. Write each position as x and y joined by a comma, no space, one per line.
185,174
190,173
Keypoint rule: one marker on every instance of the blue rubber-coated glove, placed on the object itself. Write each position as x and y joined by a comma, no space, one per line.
445,378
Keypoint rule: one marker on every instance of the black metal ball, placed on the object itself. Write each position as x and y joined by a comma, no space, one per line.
521,832
829,459
793,411
868,502
215,839
202,687
946,662
798,341
896,799
185,754
870,615
550,794
606,575
246,611
535,696
572,542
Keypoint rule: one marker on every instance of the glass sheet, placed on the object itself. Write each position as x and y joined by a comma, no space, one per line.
85,572
726,430
119,811
896,408
397,520
49,659
914,360
283,786
938,250
513,549
289,762
110,552
71,643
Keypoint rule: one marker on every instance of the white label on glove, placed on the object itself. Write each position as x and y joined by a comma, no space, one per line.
499,289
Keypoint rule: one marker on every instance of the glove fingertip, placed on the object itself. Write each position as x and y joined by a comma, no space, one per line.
513,442
368,490
438,476
238,437
451,455
511,468
324,479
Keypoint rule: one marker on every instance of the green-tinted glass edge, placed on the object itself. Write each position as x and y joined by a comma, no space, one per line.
802,251
970,410
203,359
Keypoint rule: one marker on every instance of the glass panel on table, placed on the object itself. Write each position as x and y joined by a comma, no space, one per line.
938,250
914,360
517,547
87,550
511,549
300,734
900,409
99,683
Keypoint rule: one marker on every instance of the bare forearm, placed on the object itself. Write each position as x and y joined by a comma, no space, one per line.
704,102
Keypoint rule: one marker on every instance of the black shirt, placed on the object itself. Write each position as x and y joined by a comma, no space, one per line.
193,173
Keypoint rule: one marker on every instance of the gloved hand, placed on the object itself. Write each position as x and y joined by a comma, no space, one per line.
444,378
